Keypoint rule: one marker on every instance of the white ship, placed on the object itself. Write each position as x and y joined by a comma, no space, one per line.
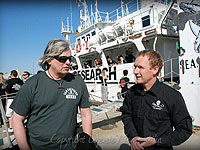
135,26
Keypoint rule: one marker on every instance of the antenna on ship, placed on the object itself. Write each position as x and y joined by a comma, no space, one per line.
84,15
71,12
122,6
67,30
96,12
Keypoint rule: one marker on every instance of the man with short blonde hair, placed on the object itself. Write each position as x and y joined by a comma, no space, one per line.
152,109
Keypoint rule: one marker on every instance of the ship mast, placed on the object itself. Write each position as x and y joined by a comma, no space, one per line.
84,15
96,11
67,30
122,6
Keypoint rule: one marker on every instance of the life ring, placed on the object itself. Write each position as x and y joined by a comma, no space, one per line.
78,47
86,43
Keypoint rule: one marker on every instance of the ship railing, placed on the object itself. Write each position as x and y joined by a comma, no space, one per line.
9,142
126,9
172,75
165,2
66,28
98,17
130,7
111,87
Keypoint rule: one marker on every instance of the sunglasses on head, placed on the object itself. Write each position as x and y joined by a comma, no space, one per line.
63,59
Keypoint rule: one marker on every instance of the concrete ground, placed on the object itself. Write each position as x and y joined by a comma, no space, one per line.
111,137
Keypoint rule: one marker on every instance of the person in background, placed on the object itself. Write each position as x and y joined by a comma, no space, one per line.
86,65
74,66
50,101
26,75
104,89
111,62
129,57
2,87
2,93
124,83
97,63
154,114
120,59
13,86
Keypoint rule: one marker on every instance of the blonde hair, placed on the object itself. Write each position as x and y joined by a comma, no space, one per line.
155,58
2,80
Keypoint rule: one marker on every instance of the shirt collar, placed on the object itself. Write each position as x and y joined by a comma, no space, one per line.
154,89
140,89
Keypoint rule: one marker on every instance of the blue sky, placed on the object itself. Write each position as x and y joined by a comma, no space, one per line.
26,26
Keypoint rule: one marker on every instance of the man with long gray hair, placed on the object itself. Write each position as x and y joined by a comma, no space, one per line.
50,100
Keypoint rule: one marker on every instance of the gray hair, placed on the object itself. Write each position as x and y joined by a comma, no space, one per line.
54,48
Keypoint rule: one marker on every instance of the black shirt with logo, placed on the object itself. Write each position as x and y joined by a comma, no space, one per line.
13,85
154,113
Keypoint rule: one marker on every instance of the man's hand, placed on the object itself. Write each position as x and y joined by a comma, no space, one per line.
135,144
146,142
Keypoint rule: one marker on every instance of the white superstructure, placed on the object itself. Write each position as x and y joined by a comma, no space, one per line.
189,32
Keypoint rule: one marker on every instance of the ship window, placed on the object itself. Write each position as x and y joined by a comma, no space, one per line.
74,65
93,33
145,21
87,37
83,38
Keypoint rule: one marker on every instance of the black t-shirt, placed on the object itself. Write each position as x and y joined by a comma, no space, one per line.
124,83
13,85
